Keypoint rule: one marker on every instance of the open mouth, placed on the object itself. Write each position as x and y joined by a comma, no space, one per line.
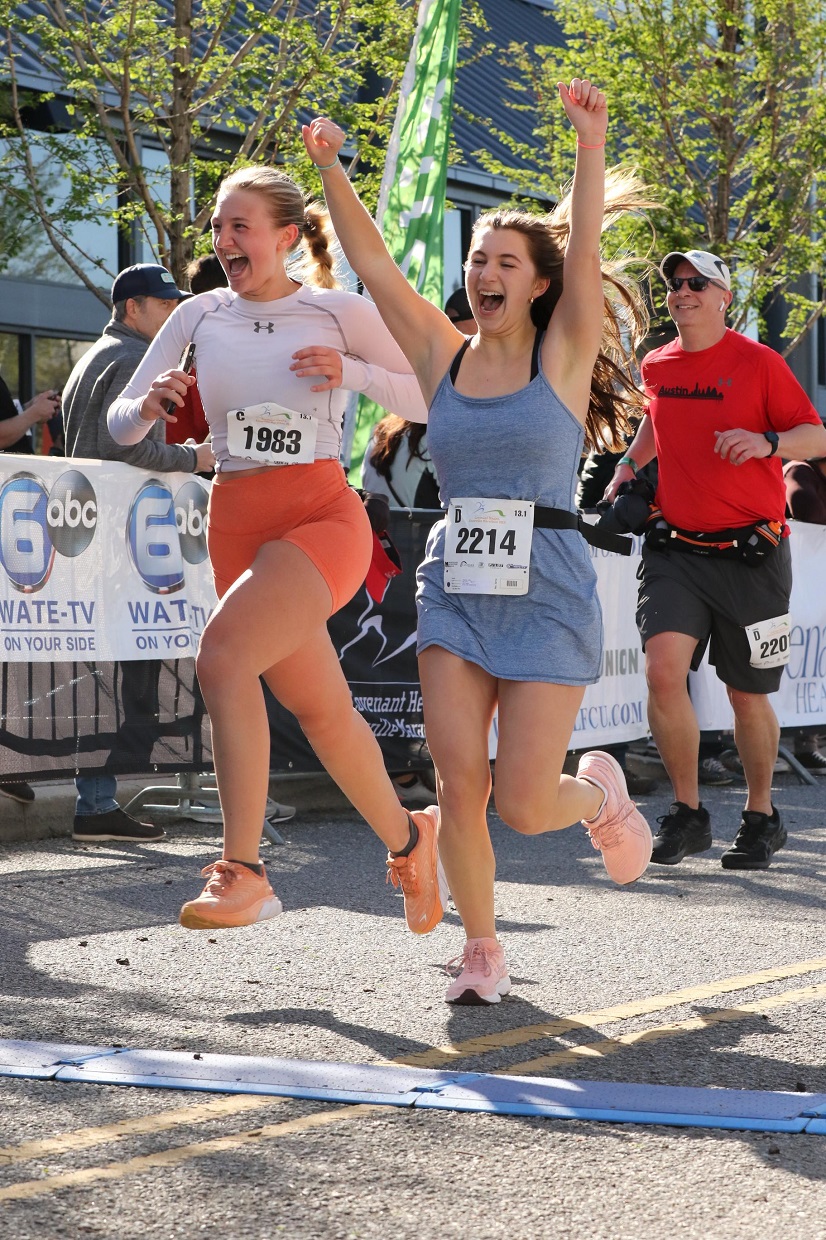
236,263
488,302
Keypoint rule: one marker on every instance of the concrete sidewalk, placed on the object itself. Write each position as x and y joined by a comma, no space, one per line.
51,813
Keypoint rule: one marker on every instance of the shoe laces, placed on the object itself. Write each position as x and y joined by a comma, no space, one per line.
753,832
671,824
220,875
402,872
609,834
475,958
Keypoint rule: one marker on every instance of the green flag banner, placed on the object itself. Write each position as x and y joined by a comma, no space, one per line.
412,198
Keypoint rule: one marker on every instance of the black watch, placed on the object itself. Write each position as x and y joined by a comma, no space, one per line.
773,439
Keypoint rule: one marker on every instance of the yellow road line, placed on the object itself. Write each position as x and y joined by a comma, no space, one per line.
203,1149
87,1138
439,1056
610,1046
179,1154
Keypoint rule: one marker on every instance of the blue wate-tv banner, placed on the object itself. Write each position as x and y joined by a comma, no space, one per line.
100,560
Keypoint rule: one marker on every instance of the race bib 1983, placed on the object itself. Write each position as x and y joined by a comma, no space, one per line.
271,435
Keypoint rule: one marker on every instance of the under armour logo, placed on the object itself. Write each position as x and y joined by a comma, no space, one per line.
259,327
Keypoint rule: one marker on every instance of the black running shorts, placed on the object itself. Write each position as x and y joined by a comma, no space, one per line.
713,600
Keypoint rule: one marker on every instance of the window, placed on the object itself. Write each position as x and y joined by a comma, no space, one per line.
90,238
54,359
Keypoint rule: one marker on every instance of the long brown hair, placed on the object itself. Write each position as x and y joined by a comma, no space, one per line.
615,397
388,436
286,203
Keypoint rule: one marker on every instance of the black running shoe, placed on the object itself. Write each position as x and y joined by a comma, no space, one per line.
682,830
756,842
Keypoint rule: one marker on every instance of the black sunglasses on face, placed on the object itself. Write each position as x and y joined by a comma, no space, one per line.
697,284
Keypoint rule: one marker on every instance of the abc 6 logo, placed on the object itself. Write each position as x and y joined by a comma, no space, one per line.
162,533
36,523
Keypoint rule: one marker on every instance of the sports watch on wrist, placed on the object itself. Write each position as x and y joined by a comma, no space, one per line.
773,439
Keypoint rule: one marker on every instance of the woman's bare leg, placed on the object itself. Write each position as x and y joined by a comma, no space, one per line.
311,685
262,620
536,722
459,702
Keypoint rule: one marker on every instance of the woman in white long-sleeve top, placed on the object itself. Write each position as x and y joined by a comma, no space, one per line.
288,539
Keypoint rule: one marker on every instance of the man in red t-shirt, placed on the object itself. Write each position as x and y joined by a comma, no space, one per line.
722,411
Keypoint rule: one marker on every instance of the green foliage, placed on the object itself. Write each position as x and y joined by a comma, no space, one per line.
721,107
210,84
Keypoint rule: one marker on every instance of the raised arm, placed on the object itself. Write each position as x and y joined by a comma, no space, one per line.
426,336
575,331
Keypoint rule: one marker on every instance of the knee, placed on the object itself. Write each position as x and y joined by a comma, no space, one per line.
463,789
324,717
213,662
750,707
663,678
521,813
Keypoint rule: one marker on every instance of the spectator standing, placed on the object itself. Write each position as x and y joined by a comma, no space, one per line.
143,298
722,410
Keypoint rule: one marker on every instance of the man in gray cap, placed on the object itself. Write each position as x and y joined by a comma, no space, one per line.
143,297
716,569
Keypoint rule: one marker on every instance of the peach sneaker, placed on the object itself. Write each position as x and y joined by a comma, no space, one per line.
420,875
619,830
234,896
483,976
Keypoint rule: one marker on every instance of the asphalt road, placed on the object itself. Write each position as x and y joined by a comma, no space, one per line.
91,952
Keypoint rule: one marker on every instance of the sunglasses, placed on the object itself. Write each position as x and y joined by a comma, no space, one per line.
697,284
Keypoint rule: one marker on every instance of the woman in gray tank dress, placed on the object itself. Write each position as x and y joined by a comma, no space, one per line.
508,612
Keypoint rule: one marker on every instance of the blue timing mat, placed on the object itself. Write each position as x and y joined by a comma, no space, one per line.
397,1085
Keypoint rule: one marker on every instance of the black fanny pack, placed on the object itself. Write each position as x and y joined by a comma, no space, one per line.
750,544
562,519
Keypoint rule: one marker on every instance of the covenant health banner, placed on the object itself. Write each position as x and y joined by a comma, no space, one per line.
100,561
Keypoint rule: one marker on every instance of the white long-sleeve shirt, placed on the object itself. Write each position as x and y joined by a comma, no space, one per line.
243,353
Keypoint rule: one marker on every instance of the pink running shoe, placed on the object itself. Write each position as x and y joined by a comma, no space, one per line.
234,896
483,977
420,875
619,830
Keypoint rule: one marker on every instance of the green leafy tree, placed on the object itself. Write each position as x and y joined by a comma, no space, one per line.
721,106
204,85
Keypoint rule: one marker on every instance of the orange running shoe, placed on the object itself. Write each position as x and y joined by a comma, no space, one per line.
619,830
420,875
234,896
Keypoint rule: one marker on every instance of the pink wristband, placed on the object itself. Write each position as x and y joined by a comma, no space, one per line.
588,147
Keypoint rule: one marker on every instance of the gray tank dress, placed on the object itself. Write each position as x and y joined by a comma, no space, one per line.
523,446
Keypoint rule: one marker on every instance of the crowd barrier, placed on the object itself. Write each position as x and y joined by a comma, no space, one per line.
105,588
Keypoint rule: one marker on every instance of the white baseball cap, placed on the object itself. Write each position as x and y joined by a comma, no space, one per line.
707,264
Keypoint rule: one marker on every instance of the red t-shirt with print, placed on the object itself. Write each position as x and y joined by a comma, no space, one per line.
736,383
